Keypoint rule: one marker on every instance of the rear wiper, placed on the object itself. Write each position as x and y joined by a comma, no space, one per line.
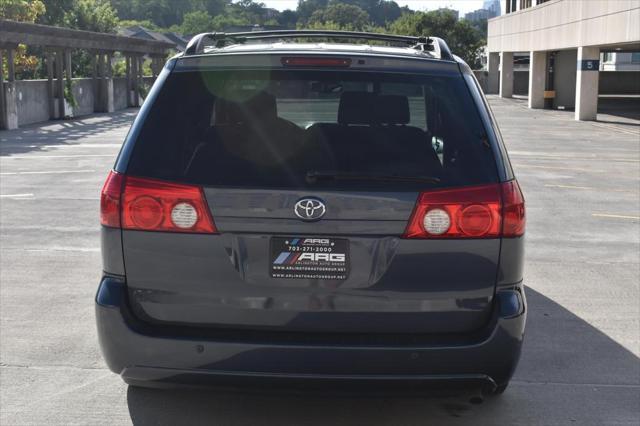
315,176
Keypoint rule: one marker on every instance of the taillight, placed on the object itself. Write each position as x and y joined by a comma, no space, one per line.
152,205
513,211
301,61
487,211
110,200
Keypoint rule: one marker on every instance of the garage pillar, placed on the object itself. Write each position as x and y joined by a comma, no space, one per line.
537,75
9,94
105,89
493,67
587,83
506,74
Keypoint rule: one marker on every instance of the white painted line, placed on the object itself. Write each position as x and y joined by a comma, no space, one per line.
83,145
615,216
588,187
617,128
64,248
47,172
16,195
567,156
569,187
576,169
21,157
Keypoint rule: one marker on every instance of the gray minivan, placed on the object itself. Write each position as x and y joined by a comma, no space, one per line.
291,208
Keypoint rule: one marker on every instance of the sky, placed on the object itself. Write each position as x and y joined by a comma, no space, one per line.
463,6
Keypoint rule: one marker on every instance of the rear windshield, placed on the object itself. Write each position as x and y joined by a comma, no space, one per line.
299,129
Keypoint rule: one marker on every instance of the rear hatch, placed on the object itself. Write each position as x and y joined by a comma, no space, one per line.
313,177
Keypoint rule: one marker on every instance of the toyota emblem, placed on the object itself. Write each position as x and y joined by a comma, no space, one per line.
309,209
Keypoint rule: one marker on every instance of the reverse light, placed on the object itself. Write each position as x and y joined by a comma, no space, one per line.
184,215
486,211
436,221
153,205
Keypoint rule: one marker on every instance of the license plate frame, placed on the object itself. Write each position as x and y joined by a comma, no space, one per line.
319,258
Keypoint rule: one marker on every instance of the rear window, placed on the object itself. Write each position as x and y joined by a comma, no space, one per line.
300,129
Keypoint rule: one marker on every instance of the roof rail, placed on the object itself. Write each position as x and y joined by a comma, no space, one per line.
220,39
438,46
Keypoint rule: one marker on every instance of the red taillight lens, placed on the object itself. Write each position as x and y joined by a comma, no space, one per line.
473,212
316,62
513,210
152,205
110,200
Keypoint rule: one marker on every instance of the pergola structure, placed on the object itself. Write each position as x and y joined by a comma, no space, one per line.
58,44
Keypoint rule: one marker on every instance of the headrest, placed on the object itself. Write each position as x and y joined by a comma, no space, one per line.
392,109
226,112
356,108
262,106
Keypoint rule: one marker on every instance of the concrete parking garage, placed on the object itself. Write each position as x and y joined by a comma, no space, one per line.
580,363
564,40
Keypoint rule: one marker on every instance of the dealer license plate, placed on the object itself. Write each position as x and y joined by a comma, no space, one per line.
310,258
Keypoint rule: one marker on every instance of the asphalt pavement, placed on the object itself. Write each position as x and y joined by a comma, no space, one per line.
580,363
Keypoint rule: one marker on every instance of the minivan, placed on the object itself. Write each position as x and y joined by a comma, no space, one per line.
313,207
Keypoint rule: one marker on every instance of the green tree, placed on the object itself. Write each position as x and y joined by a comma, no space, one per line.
344,16
463,40
222,22
54,11
307,7
288,18
150,25
213,7
381,12
196,22
92,15
21,10
24,11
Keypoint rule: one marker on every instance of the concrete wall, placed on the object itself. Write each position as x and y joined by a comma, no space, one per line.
565,78
83,93
482,77
565,24
520,81
31,99
120,93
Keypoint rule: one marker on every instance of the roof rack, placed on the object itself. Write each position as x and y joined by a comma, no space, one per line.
198,43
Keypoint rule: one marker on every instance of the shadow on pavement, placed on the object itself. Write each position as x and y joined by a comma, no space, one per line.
620,106
41,136
562,353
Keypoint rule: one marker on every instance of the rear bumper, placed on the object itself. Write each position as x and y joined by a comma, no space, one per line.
155,358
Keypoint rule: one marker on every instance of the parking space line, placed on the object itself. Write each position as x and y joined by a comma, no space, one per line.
16,195
576,169
615,216
59,248
617,128
23,157
46,172
586,187
83,145
540,156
